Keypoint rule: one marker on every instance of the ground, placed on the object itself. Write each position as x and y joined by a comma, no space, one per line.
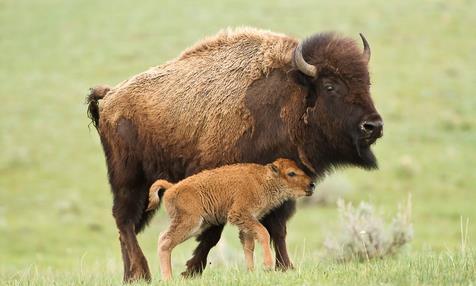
55,206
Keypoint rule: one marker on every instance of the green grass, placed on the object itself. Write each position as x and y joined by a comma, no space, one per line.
425,268
55,206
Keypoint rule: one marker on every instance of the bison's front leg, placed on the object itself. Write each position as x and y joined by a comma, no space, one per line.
207,240
275,223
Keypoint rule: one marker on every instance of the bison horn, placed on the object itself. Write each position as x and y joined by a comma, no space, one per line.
301,64
366,52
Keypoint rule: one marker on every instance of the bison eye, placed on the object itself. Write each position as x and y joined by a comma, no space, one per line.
291,174
329,87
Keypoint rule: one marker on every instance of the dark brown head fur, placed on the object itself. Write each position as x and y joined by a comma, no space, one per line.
338,104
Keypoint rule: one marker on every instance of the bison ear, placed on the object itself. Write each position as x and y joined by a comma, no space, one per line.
274,168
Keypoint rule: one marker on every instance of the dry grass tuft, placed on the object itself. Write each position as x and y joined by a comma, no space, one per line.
364,235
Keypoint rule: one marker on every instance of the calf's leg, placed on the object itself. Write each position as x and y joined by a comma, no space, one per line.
250,225
248,242
264,239
179,230
275,223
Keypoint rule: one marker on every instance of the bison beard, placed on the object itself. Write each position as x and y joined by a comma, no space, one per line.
366,158
236,97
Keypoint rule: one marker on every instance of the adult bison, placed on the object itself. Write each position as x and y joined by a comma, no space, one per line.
244,95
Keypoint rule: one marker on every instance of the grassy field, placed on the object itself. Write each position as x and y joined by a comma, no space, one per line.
56,226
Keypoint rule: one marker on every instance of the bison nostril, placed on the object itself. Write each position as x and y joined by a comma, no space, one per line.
370,127
311,185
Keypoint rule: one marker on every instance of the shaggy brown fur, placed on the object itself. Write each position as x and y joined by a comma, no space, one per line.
236,58
235,97
241,194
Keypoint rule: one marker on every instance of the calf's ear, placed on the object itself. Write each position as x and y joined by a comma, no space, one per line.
274,168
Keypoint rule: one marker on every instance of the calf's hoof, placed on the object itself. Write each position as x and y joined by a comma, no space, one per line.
268,267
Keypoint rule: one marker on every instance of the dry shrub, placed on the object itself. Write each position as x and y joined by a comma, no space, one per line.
364,235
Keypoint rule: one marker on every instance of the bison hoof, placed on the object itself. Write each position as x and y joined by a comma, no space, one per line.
138,272
191,273
136,277
283,267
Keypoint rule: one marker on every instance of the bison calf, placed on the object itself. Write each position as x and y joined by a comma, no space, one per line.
241,194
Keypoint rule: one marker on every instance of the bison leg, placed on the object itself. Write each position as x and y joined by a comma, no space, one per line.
135,264
130,200
125,257
207,240
130,192
275,223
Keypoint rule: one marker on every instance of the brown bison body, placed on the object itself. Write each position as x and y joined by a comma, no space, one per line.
240,194
244,95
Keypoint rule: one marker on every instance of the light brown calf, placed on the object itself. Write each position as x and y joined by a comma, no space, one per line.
241,194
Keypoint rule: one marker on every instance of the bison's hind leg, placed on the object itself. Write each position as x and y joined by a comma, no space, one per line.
144,220
128,209
130,196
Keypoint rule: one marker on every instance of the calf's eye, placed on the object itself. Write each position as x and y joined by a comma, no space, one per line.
291,174
329,87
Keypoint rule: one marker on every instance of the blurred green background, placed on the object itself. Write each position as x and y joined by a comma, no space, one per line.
55,203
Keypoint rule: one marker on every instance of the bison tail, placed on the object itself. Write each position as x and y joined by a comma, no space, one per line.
156,192
92,100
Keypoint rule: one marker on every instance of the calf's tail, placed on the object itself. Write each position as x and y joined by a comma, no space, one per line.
156,192
92,100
